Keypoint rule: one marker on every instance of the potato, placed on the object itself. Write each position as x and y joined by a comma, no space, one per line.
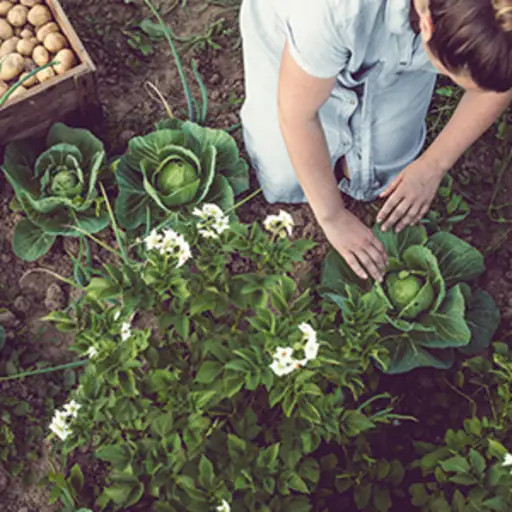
29,82
5,7
25,47
17,16
66,60
46,29
3,87
39,15
12,66
29,65
45,75
30,3
6,31
9,46
40,55
19,91
26,34
55,42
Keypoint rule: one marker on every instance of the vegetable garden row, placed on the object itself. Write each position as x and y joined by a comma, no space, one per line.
207,376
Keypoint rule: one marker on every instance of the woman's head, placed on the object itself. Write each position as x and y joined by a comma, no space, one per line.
469,40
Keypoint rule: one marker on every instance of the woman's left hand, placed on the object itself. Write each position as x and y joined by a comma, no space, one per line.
410,195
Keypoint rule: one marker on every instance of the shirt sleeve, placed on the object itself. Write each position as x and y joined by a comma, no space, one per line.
314,38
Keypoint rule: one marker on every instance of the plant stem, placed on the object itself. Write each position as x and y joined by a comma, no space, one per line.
75,364
54,274
244,200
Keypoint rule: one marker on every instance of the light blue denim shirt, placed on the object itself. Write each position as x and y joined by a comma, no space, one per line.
370,46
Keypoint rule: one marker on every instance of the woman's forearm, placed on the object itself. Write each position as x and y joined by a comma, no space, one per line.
476,113
309,154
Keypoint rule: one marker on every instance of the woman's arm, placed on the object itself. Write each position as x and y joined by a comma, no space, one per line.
300,97
409,197
476,112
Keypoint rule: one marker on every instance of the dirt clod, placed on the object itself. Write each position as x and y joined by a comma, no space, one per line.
21,304
55,298
7,318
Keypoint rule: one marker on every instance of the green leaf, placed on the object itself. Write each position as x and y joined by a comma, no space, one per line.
162,425
118,455
482,317
208,372
381,498
362,495
3,337
458,260
310,470
396,473
458,502
76,478
125,494
206,473
355,422
419,494
496,449
268,456
477,461
497,504
296,483
337,275
30,242
456,464
396,243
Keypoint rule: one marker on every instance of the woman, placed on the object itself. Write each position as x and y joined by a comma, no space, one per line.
350,82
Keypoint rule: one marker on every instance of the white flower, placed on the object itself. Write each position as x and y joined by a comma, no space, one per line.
281,368
92,352
308,332
117,314
507,461
153,240
208,233
208,211
224,507
59,426
213,221
126,331
72,408
184,252
280,224
311,350
284,354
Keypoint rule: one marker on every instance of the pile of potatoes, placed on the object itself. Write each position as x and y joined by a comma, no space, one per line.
29,39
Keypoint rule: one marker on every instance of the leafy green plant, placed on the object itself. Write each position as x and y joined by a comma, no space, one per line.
56,186
466,474
429,307
180,164
206,386
66,490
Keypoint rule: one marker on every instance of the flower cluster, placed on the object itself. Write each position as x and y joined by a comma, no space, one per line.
169,242
60,422
213,222
280,225
284,363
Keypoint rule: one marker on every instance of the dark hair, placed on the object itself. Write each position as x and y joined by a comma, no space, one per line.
474,36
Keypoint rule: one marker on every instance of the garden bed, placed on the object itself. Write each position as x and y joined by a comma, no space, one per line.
116,36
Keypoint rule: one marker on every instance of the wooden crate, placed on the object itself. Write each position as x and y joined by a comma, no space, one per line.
73,93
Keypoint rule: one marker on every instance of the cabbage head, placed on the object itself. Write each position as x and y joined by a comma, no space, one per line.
178,165
432,306
55,183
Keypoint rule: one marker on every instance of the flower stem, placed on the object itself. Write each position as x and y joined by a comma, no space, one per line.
74,364
244,200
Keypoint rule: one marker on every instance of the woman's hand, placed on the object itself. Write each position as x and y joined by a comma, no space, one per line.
362,250
410,195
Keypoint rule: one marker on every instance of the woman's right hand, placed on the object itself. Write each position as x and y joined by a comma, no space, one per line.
356,243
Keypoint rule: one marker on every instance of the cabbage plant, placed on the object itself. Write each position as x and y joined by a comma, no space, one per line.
432,305
56,186
178,165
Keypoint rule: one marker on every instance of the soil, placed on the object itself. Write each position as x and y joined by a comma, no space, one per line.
130,107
